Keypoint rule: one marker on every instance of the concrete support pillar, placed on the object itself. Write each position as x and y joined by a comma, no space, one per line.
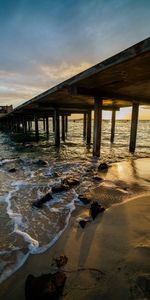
29,125
63,127
97,126
84,125
88,127
18,125
53,119
47,128
66,124
44,127
57,128
14,124
36,128
134,123
24,125
113,119
21,123
6,123
9,124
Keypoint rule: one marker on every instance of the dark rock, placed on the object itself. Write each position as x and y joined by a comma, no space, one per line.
42,162
71,181
61,261
83,223
66,184
13,170
97,178
45,287
57,174
84,199
103,166
143,282
39,202
60,188
95,209
90,171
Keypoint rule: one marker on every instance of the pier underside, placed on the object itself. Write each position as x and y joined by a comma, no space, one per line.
120,81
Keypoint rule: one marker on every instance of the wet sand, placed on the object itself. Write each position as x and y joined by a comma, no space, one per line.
110,257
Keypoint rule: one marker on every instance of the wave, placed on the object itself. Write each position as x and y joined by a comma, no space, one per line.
32,245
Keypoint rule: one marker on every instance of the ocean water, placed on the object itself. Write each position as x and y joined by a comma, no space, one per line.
24,229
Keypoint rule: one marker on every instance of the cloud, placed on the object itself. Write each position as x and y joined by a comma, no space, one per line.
63,71
45,42
20,87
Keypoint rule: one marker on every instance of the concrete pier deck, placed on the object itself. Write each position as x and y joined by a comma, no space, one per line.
115,83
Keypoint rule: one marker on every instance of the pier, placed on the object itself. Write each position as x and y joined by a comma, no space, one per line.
122,80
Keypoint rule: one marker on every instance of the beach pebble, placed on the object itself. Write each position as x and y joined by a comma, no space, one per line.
66,184
41,162
103,166
95,209
57,174
97,178
89,170
71,181
39,202
60,188
61,261
84,198
83,223
143,281
47,286
12,170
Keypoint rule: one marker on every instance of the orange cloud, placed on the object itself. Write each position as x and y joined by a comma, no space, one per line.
63,71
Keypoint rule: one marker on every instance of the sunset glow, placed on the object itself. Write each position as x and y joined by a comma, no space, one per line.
45,42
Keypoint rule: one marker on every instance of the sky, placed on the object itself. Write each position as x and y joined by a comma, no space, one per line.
44,42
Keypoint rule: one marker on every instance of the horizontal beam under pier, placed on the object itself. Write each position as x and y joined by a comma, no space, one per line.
101,93
66,111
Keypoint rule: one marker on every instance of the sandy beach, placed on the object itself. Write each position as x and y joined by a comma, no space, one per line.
75,150
110,257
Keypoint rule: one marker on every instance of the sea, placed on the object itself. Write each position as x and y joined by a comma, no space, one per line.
26,230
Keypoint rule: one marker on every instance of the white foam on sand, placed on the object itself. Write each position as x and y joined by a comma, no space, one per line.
7,160
19,184
71,207
21,258
18,223
33,245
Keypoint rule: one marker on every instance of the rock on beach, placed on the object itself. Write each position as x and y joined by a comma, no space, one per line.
39,202
45,287
95,209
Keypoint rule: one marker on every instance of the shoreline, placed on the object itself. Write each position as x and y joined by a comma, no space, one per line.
91,248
